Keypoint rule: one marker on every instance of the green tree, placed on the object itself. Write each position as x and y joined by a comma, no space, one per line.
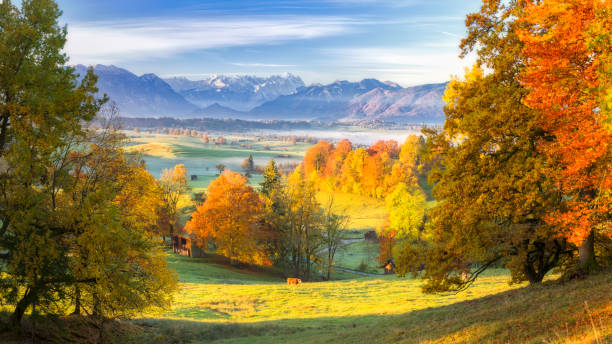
248,165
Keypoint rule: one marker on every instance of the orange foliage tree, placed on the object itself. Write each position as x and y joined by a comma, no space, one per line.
373,172
567,79
229,219
315,159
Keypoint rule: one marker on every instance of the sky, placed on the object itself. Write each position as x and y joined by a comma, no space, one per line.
410,42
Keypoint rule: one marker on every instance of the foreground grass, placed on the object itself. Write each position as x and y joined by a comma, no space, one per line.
226,305
387,310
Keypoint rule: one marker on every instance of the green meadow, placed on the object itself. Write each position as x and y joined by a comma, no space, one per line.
216,303
162,151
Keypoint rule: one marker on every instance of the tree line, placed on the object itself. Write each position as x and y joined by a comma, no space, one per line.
283,224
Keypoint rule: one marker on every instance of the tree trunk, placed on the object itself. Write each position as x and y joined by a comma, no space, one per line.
77,301
22,305
587,253
329,262
532,276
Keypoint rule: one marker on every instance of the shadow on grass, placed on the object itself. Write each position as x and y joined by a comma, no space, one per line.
552,312
576,311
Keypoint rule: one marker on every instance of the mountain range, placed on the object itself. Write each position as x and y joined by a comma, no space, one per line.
276,97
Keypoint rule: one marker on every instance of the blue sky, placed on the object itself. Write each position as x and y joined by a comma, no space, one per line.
407,41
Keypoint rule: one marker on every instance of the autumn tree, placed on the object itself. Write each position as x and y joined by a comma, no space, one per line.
567,49
316,158
302,213
333,228
41,105
173,183
334,164
406,210
220,168
494,189
272,179
229,218
117,269
403,234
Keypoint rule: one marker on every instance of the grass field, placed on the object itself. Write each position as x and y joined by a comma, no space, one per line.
230,306
352,255
165,151
365,213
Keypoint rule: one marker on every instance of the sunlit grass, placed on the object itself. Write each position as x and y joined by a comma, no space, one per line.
365,213
231,306
218,293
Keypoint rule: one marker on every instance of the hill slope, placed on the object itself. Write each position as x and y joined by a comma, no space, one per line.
574,312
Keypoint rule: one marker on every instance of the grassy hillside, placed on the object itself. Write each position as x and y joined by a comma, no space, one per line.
219,304
253,308
365,213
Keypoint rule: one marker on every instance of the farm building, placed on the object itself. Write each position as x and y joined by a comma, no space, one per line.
182,244
371,236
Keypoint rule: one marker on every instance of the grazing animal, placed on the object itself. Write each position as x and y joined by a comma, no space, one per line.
295,281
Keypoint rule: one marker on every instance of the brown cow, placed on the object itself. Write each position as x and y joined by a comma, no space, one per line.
295,281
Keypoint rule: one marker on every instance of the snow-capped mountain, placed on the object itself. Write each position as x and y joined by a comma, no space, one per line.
366,100
240,92
276,97
146,95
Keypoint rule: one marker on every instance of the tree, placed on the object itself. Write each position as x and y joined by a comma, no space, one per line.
272,179
316,158
220,168
406,210
229,218
301,215
248,165
173,184
494,189
333,226
117,268
566,78
333,167
40,106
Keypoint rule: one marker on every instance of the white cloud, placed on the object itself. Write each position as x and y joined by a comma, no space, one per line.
111,42
451,34
405,66
265,65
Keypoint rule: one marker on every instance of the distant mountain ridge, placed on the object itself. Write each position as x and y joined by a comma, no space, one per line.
366,100
276,97
242,92
146,95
